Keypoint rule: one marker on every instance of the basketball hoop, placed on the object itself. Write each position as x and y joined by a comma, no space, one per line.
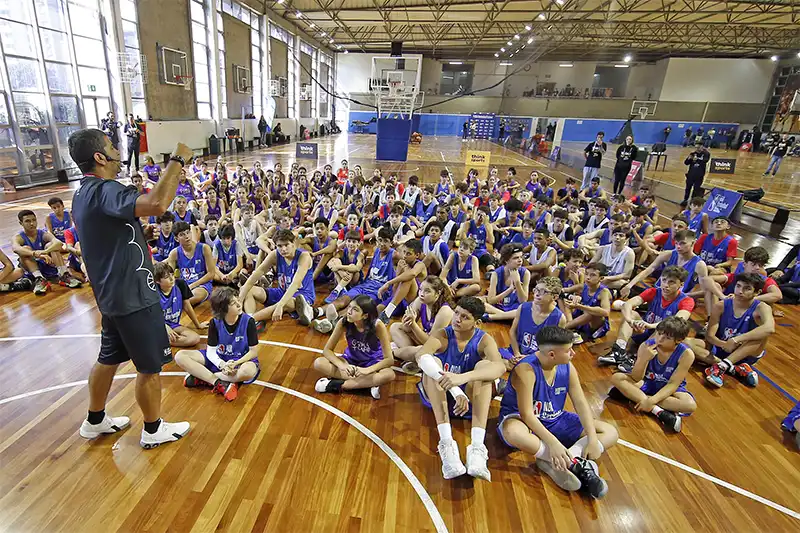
186,81
643,112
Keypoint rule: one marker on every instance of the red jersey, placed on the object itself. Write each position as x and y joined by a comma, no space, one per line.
687,304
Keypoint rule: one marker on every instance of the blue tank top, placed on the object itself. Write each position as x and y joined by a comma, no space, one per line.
363,349
60,227
172,306
286,272
165,246
187,217
316,247
442,191
541,221
226,261
592,300
233,345
527,328
459,271
520,239
512,300
605,238
458,361
730,325
216,210
194,268
427,322
632,242
425,212
458,219
715,254
381,269
690,267
695,222
186,190
548,400
656,312
670,244
38,243
479,234
660,373
566,281
347,260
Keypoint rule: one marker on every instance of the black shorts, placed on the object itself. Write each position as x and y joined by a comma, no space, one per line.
140,337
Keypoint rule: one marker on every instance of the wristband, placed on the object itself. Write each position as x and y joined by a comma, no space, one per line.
178,159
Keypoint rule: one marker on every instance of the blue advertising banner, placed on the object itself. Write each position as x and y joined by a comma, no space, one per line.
307,151
721,202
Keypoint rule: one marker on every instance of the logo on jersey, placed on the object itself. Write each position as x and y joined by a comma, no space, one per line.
560,390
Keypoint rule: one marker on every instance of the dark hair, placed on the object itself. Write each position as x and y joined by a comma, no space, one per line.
415,245
560,213
570,180
680,218
572,253
473,306
618,217
544,199
601,203
83,144
397,209
227,231
433,224
599,267
639,211
385,233
485,210
24,213
675,272
180,227
507,251
542,231
370,309
601,133
684,234
513,171
211,217
755,254
513,205
595,180
697,200
528,222
752,279
284,235
352,236
221,300
166,216
674,327
720,218
444,294
413,180
553,336
55,200
321,220
162,270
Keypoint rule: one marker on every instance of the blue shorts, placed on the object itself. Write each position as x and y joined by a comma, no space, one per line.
507,307
369,287
506,353
214,369
48,271
567,428
347,356
752,360
74,263
639,338
253,249
208,287
274,294
451,402
595,334
791,418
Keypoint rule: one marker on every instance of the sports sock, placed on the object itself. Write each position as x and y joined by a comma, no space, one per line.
95,417
726,366
61,270
478,434
656,410
319,312
152,427
577,449
5,287
445,432
330,313
543,452
622,343
37,274
389,309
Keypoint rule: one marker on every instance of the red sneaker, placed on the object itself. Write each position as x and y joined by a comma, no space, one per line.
746,373
231,392
219,387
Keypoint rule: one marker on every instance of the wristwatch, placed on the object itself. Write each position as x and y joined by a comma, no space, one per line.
178,159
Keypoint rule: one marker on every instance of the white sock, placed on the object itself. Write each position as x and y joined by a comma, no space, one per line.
622,344
5,287
61,270
655,410
389,309
445,432
543,453
478,434
37,274
330,313
576,450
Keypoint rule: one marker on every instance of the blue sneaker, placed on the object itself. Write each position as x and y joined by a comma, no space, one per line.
746,373
714,375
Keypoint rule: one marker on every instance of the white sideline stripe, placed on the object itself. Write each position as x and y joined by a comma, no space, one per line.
426,499
421,492
712,479
25,200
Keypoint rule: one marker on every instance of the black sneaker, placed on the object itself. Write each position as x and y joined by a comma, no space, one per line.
616,395
614,356
587,472
670,420
626,366
261,326
501,386
383,318
22,284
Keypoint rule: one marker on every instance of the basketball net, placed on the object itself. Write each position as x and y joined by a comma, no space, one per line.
186,81
643,112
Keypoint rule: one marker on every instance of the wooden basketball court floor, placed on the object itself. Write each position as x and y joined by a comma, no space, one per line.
284,458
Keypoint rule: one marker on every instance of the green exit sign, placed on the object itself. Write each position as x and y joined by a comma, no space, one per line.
92,88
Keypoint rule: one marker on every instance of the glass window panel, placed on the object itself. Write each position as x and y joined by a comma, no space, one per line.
8,163
201,74
64,132
90,111
65,110
224,110
3,110
245,17
137,88
66,159
15,10
254,20
93,81
130,34
200,53
219,20
198,33
103,107
139,109
24,74
226,7
31,109
6,140
204,111
36,137
203,92
40,160
89,52
254,38
128,10
49,14
85,21
17,38
59,78
198,14
55,45
255,53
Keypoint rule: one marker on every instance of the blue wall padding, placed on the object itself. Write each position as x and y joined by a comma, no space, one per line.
392,140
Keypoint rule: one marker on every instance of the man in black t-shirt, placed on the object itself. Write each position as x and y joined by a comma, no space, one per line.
594,156
778,152
118,262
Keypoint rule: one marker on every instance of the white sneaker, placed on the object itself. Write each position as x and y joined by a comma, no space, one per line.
616,305
375,392
411,368
321,385
393,345
477,457
305,313
451,460
564,479
577,338
108,425
167,432
322,325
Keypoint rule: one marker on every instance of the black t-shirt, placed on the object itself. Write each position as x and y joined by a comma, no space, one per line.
625,155
595,152
252,334
781,148
183,287
113,246
562,192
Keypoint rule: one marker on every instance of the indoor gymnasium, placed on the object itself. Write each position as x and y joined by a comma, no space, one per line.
399,266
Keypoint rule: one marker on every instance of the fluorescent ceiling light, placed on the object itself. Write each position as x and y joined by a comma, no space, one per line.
541,16
516,37
311,24
506,63
331,41
456,63
627,58
774,58
560,2
530,40
565,65
502,49
509,43
346,52
280,1
298,14
496,55
527,27
521,47
511,55
621,66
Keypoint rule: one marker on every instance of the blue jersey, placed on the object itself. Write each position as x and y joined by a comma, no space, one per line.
605,238
37,243
656,312
59,226
234,345
527,328
215,210
511,301
381,269
541,221
458,219
566,281
427,321
187,217
730,325
479,234
592,300
459,271
714,254
670,244
690,266
695,222
460,361
226,260
286,272
658,374
172,306
185,189
348,260
548,400
442,191
192,268
316,246
632,242
165,246
363,349
519,238
425,212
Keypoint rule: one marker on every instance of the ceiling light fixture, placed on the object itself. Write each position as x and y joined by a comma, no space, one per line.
506,63
628,58
541,16
324,34
509,43
565,65
502,49
298,14
516,37
511,55
331,41
280,1
774,58
621,66
311,24
456,63
530,40
523,46
346,52
496,55
560,2
527,27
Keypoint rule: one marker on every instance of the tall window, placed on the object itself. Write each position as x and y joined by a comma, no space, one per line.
200,49
256,59
130,32
456,79
326,80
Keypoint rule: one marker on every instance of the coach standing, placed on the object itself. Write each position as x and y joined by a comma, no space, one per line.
594,158
118,262
697,162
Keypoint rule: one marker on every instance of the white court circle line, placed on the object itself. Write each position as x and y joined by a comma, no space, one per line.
416,484
421,492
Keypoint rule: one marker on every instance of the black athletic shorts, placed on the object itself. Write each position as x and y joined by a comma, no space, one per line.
140,337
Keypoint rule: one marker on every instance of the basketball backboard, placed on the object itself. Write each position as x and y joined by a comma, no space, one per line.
643,108
241,79
174,66
132,67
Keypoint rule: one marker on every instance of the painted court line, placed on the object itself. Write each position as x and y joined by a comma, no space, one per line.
421,492
23,201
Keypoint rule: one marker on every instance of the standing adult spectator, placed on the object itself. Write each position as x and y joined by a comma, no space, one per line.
626,153
667,131
502,134
778,151
262,131
594,157
110,127
687,136
711,133
756,138
697,162
117,260
134,133
465,131
731,138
